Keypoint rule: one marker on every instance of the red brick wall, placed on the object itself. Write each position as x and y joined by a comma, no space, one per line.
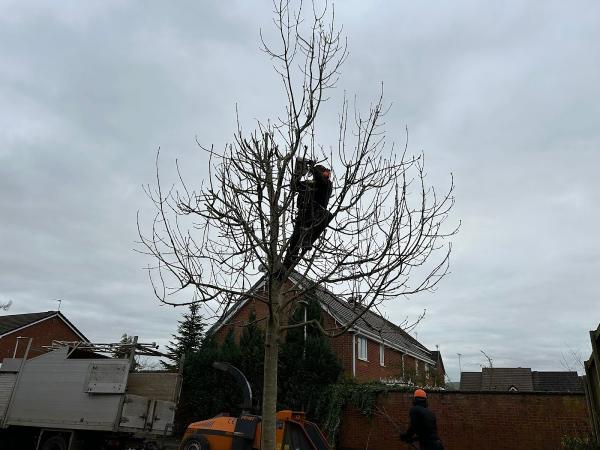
341,345
474,421
372,369
43,333
240,319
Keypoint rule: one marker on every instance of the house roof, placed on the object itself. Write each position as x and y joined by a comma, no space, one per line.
369,323
13,322
557,382
470,381
497,379
521,378
502,379
436,355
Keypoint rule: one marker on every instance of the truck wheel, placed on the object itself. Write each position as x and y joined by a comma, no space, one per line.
55,443
197,442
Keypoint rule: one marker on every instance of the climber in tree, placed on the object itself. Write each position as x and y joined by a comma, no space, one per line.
312,217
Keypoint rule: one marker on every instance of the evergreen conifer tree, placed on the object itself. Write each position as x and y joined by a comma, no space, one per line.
188,339
307,362
252,349
207,391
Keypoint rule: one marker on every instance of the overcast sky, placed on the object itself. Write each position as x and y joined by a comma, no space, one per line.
504,95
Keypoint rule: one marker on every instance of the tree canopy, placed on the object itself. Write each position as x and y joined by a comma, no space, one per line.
385,235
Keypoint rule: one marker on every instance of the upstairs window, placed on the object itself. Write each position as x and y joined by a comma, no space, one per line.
381,355
362,348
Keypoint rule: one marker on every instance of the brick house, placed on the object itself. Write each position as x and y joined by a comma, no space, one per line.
42,327
372,349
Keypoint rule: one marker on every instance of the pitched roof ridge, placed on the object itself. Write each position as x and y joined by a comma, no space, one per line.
403,331
30,314
234,306
555,371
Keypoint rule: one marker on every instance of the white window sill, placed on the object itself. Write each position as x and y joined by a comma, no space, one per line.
363,359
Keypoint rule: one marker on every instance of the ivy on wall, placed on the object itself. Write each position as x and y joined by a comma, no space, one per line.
362,396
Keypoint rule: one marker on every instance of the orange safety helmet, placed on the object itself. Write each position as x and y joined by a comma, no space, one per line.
420,393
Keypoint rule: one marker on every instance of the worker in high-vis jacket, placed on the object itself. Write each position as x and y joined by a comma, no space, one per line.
423,427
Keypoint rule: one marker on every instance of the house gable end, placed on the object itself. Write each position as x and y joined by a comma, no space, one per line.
14,322
36,321
228,315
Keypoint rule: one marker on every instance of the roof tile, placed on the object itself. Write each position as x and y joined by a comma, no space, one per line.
367,320
522,379
12,322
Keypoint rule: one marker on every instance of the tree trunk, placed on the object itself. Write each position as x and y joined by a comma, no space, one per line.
269,399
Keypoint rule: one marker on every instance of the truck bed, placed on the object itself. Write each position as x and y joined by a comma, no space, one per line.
58,390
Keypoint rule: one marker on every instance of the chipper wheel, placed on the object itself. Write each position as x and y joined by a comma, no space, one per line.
196,442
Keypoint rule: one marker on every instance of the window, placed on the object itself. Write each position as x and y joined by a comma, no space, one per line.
381,355
362,348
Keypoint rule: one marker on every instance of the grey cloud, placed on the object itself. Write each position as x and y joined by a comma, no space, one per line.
502,95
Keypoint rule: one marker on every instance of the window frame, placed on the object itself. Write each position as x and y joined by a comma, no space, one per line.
359,354
382,355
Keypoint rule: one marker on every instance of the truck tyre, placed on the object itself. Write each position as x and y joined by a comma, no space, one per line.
196,442
55,443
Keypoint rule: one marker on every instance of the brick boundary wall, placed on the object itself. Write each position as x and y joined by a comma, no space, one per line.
473,421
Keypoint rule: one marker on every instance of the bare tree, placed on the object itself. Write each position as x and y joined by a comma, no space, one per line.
572,361
488,359
490,365
5,306
385,221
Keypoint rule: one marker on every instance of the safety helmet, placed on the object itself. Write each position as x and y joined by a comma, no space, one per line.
420,393
324,171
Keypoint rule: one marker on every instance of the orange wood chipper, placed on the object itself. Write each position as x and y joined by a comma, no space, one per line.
223,432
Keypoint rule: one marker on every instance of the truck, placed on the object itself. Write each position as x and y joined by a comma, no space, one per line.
79,396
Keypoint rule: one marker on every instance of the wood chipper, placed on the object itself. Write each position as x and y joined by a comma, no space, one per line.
223,432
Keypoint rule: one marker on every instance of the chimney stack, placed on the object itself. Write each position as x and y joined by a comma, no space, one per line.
355,300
